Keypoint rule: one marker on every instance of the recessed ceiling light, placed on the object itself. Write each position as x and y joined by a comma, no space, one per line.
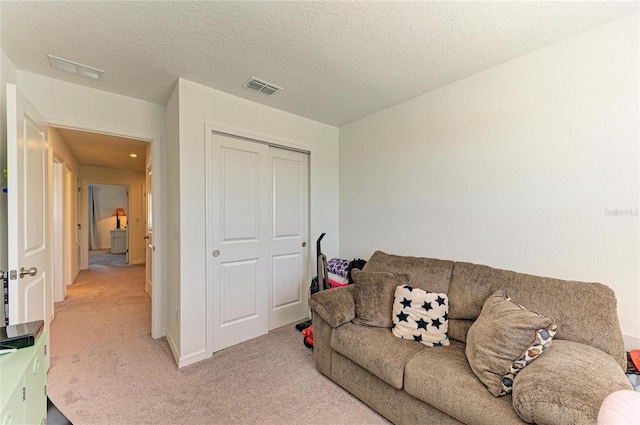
75,68
133,155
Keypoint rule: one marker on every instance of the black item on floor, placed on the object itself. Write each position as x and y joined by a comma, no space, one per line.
55,416
303,325
631,368
318,283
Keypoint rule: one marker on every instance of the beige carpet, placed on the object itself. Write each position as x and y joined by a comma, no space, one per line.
106,258
105,368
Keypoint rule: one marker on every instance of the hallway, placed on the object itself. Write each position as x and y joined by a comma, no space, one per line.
100,336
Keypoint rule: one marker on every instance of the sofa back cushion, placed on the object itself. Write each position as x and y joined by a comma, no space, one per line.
373,293
429,274
584,312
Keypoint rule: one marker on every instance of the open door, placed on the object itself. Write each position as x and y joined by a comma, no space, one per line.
27,164
148,286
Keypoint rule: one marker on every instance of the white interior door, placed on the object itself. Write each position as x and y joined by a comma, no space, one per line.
289,233
149,232
238,190
27,163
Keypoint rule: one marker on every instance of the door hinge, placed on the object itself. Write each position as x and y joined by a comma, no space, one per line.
45,349
45,390
79,189
24,393
13,275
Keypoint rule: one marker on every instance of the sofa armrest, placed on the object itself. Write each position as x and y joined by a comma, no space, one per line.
567,384
335,306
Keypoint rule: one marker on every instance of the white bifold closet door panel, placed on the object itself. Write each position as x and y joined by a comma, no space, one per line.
240,254
288,247
257,223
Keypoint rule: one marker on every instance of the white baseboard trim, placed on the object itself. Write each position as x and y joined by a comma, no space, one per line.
187,360
631,342
174,349
193,358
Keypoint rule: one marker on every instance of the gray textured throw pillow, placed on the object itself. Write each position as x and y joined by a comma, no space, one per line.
504,339
373,293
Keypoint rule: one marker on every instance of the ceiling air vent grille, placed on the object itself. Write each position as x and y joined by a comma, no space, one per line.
262,86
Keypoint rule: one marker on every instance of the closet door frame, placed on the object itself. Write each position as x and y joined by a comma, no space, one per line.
210,130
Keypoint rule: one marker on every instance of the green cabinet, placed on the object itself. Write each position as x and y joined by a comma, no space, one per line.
23,390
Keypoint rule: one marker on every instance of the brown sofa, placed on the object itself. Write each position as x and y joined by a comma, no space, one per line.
410,383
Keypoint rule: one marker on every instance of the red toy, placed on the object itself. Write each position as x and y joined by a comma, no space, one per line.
635,358
308,337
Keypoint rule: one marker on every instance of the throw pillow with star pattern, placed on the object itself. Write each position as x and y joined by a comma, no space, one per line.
421,316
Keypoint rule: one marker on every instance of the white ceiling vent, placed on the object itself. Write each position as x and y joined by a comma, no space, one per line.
75,68
261,86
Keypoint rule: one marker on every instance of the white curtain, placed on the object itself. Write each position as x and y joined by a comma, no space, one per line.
94,242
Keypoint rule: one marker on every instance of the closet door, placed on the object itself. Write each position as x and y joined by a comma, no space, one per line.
288,300
238,217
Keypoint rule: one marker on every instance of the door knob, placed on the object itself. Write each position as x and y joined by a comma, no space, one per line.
31,272
304,244
145,237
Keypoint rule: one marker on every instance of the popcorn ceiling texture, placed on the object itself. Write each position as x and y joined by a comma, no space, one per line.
337,61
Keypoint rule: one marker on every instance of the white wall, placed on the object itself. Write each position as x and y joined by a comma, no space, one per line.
173,220
135,183
199,104
514,167
63,154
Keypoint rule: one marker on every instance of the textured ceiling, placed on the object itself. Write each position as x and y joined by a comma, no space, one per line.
101,150
337,61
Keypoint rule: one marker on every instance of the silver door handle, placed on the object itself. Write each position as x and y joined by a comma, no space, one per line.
31,272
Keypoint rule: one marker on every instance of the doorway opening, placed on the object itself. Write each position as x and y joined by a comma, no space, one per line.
107,230
113,171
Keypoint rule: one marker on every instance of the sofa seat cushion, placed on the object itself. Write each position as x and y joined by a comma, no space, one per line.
376,349
567,384
441,377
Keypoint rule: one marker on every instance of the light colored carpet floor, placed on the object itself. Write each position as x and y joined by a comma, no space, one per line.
106,258
106,369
